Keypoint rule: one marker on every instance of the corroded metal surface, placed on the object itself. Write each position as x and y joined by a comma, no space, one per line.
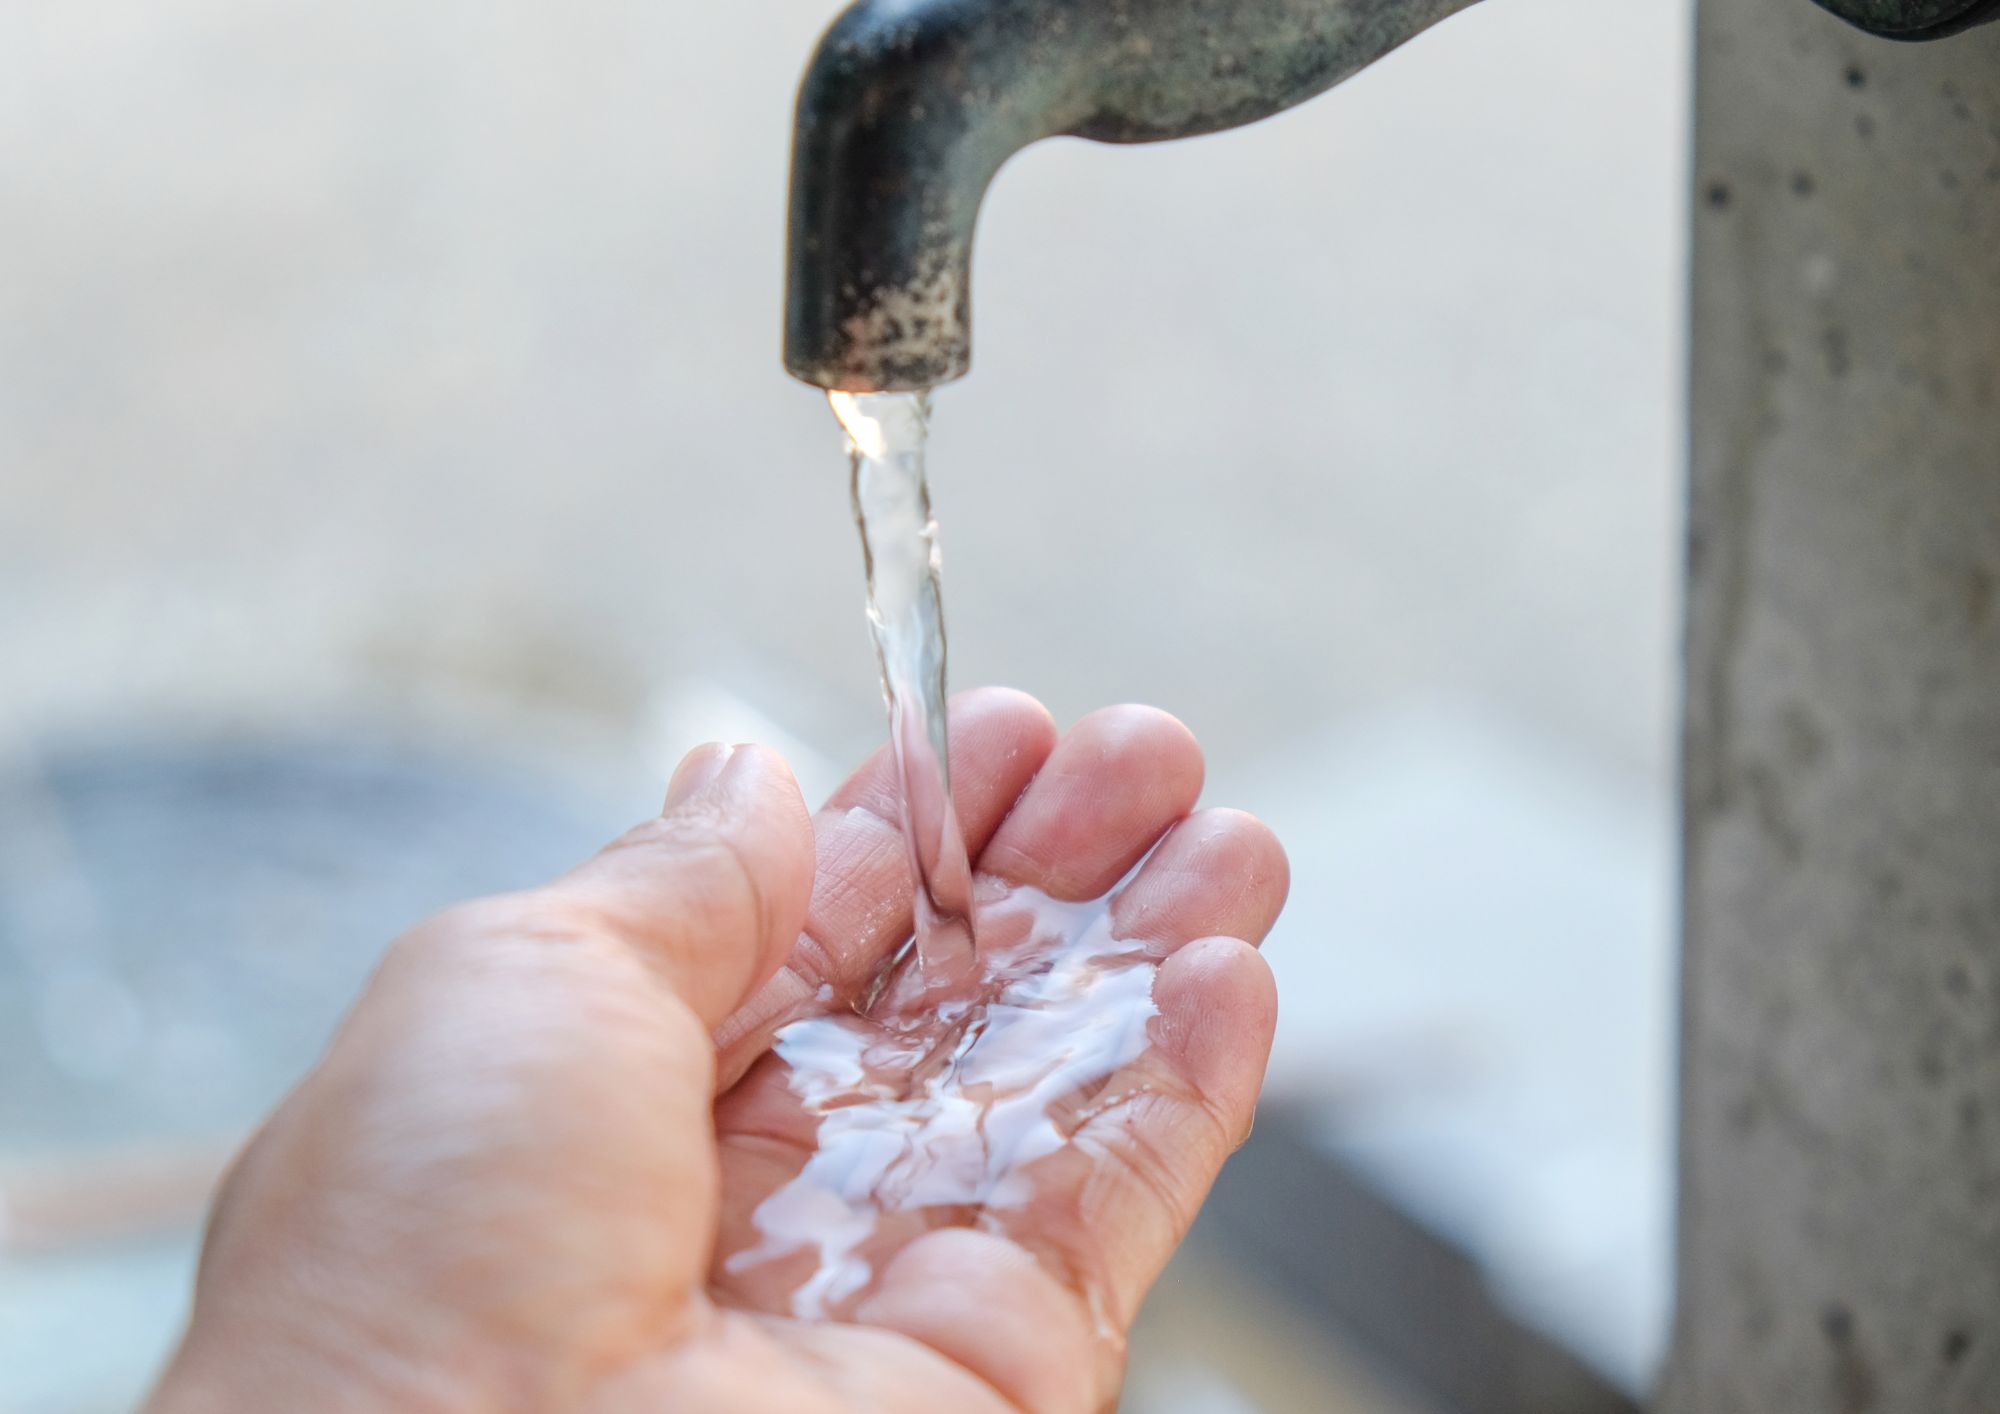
909,109
1914,19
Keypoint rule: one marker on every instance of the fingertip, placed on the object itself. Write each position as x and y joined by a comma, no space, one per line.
715,889
1022,710
1259,856
1217,872
746,790
1219,983
1114,784
760,784
760,775
1218,1005
1138,734
697,771
1000,738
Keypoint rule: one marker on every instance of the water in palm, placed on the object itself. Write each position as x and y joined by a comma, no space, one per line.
950,1092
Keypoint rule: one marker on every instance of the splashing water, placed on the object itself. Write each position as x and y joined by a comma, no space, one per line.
955,1091
957,1110
892,505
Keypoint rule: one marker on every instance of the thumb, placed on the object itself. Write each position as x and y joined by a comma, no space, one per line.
712,892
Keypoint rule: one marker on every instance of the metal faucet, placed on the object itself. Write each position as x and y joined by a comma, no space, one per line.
909,108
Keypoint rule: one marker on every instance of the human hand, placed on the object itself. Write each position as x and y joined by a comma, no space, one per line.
519,1176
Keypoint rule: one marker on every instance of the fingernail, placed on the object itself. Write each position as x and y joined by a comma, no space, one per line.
699,770
743,768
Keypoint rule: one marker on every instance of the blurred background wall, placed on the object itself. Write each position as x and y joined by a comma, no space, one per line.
1840,1173
396,474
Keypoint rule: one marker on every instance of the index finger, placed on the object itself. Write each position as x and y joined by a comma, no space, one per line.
862,892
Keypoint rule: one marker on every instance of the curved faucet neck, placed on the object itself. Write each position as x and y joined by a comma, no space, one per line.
910,107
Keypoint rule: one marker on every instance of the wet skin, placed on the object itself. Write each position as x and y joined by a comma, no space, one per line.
511,1182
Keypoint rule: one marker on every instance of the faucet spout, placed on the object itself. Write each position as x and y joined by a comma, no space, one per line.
910,107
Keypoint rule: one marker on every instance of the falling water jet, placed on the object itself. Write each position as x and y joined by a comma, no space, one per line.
892,506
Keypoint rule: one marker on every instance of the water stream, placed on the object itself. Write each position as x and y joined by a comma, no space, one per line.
948,1094
892,505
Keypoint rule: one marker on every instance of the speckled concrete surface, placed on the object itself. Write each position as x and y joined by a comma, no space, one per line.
1841,1178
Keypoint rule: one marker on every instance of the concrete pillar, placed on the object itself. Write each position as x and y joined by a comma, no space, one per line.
1840,1174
